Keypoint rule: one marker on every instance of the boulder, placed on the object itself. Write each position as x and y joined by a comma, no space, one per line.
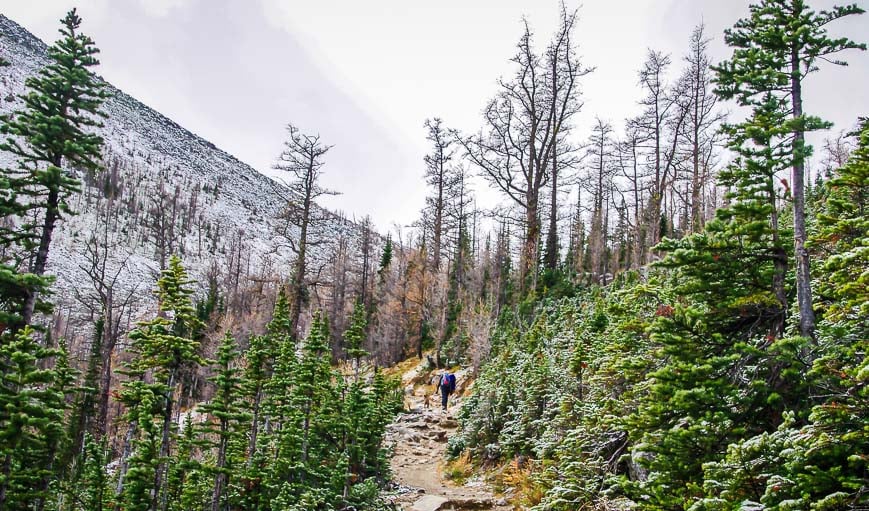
430,503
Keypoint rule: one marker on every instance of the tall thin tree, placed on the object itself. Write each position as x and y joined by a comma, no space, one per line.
52,137
774,50
302,160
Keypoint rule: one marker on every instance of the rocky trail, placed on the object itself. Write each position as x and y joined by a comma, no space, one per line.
418,438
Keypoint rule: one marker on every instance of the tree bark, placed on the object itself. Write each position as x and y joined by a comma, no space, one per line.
804,284
38,267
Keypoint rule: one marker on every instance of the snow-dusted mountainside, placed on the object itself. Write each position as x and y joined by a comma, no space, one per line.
164,190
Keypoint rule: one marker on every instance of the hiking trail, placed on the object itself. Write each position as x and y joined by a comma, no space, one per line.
419,438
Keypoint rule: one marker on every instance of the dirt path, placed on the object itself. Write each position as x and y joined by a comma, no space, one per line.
419,438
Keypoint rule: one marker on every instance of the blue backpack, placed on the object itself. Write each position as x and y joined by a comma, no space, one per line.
451,379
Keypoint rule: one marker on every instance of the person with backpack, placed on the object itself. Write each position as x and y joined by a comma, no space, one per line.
446,386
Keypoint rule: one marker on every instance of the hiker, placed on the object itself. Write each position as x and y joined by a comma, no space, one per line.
446,386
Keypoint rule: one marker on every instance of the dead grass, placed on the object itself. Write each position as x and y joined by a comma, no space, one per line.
520,477
402,367
459,469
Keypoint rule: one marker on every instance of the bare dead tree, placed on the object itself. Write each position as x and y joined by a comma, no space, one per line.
302,160
598,182
700,136
440,176
658,129
523,124
109,299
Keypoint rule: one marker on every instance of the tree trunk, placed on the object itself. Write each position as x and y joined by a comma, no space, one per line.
552,235
254,428
438,220
528,269
299,274
163,465
123,466
38,267
780,264
804,284
6,471
107,348
220,479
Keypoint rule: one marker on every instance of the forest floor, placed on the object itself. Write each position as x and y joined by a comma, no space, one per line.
418,438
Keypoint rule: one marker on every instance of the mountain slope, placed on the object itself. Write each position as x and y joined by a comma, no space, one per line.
164,190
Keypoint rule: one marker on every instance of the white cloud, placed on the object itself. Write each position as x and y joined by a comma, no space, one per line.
161,8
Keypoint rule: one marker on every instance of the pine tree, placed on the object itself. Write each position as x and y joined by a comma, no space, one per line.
225,408
52,138
32,412
311,394
93,490
163,347
774,50
354,338
385,258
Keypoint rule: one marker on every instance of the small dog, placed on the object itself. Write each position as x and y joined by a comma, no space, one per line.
426,402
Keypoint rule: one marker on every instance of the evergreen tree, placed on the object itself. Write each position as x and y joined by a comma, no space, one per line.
354,338
844,223
258,370
226,409
136,487
51,139
774,50
284,442
816,463
163,347
385,258
727,373
266,383
32,412
93,491
188,482
312,396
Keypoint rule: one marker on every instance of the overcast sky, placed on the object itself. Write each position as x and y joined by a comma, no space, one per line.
366,74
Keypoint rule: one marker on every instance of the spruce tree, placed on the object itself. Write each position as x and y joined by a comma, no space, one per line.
775,48
226,410
385,258
163,347
93,491
32,411
52,138
314,397
354,338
